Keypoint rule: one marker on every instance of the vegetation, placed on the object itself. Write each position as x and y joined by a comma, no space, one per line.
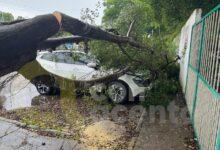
64,114
163,91
7,17
4,16
53,113
155,23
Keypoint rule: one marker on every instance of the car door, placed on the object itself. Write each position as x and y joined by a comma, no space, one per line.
64,65
82,71
46,61
70,67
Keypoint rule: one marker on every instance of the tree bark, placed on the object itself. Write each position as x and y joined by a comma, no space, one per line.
18,42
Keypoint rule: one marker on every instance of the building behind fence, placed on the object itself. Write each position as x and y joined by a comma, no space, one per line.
199,49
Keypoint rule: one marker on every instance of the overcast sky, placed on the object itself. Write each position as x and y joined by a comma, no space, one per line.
30,8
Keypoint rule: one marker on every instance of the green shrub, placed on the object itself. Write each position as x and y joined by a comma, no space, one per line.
163,90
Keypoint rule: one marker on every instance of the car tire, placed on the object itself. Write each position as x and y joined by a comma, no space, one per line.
45,85
79,93
43,89
118,92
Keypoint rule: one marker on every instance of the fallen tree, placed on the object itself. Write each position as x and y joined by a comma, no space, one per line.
20,40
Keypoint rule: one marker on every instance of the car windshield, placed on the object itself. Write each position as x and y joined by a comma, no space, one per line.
68,57
48,56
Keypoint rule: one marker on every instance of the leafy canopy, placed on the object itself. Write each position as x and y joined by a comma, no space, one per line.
157,23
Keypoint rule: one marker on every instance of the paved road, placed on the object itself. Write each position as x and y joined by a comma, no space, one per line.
15,138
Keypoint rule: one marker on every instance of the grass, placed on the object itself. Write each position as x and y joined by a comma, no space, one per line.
57,114
64,113
34,116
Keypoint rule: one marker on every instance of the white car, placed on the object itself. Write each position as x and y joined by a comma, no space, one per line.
76,65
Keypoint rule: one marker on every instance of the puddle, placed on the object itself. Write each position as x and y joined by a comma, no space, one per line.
17,92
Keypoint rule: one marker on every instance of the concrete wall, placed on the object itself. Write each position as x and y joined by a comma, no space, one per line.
184,45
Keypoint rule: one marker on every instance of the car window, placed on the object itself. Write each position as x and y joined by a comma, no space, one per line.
68,57
48,56
64,57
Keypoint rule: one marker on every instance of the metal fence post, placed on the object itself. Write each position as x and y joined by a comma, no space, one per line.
218,141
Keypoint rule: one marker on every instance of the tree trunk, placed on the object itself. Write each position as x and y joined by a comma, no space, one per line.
18,41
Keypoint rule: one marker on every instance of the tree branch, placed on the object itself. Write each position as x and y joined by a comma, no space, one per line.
129,57
169,63
108,78
130,28
77,27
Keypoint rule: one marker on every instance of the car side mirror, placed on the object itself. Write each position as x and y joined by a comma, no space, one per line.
92,65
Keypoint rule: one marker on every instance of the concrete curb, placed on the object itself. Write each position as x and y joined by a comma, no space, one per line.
35,128
132,143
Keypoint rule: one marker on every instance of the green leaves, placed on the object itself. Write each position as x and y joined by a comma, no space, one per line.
157,23
6,17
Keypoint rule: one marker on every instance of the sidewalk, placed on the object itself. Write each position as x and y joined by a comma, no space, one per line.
161,137
15,138
164,136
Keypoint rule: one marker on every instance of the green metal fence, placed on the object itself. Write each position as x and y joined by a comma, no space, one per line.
203,80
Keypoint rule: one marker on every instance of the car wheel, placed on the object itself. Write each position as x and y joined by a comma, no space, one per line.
43,88
118,92
79,93
45,85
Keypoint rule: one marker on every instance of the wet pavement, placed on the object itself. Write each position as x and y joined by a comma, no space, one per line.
15,138
17,92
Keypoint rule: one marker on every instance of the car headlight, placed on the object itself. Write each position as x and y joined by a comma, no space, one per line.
139,81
